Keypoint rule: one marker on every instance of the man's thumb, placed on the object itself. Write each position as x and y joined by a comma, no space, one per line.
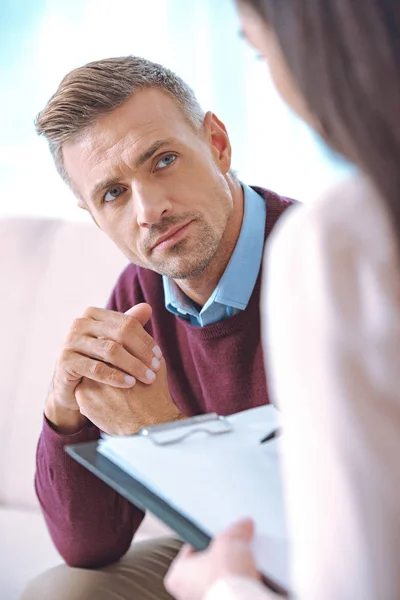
141,312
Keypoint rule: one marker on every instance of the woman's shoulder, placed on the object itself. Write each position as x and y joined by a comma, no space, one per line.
348,217
352,205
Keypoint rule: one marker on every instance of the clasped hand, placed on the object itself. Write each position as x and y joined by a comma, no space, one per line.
112,372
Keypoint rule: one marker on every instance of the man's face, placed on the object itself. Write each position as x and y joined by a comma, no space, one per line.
154,185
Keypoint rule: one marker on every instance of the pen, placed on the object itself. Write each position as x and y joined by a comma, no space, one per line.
275,433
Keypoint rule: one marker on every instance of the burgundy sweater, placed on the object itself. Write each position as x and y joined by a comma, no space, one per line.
217,368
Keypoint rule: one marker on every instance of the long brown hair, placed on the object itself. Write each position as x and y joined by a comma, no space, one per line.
345,58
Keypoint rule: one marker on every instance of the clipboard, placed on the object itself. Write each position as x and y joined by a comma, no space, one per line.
139,494
136,493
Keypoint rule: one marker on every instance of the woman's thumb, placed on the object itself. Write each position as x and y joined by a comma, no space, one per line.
242,530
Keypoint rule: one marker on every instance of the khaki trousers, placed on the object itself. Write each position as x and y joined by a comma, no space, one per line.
138,575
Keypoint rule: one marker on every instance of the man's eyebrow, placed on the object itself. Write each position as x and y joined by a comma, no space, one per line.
144,156
140,160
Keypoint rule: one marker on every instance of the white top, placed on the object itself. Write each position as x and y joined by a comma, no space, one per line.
331,324
239,588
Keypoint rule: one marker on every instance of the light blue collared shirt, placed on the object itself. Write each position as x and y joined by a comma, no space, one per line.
236,285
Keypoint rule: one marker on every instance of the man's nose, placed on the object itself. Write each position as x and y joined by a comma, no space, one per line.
151,206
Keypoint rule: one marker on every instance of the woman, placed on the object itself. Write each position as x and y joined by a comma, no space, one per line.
333,311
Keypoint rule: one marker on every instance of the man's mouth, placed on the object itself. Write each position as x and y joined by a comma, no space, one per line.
171,237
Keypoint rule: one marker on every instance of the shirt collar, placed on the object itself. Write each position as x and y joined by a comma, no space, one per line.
237,283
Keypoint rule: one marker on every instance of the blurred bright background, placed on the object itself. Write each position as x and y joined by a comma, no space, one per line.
41,40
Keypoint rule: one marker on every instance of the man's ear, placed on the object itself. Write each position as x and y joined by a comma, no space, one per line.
217,136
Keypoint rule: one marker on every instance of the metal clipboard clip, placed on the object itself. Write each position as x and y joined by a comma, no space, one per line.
176,431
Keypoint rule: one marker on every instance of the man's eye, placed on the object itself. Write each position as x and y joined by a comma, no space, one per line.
166,160
113,193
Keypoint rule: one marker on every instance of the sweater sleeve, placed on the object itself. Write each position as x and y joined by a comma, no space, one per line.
90,524
332,331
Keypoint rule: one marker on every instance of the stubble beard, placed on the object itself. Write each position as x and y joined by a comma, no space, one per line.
188,261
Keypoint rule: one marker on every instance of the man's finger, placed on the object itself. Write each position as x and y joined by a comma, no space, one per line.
97,371
142,312
122,328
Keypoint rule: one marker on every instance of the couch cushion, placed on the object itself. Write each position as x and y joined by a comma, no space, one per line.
50,271
27,549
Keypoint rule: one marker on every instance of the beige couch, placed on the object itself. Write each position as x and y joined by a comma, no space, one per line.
49,272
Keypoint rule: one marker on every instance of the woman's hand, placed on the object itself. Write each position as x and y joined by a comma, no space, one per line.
192,574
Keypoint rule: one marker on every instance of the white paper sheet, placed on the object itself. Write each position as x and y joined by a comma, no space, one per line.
215,480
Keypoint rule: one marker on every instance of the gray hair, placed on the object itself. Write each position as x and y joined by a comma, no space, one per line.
89,92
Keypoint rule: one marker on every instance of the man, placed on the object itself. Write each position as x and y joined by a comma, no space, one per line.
153,170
